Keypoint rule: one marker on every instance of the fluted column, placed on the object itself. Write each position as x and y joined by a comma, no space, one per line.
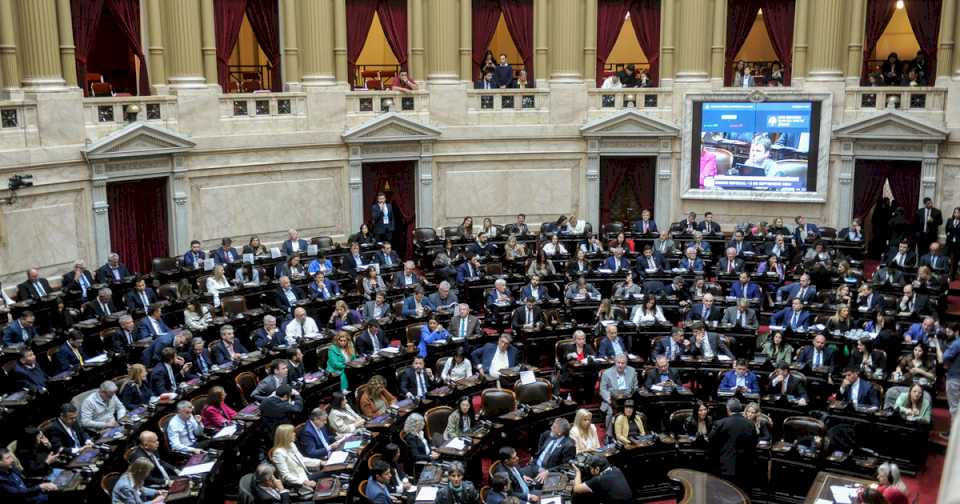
802,14
209,48
590,41
442,23
541,46
68,51
8,47
417,65
183,25
825,52
718,48
466,40
947,43
340,41
316,42
39,45
693,48
291,45
158,70
668,44
566,40
858,13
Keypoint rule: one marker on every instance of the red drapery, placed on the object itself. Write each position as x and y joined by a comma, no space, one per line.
359,19
925,20
228,16
393,19
638,175
740,18
264,17
85,16
610,15
138,221
518,15
778,19
126,13
398,181
486,14
111,56
645,17
878,17
904,177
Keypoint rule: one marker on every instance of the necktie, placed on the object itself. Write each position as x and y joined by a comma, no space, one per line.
796,317
170,375
817,359
705,312
616,265
196,261
738,248
673,351
202,364
650,264
77,354
40,290
158,465
546,452
469,270
144,300
743,319
128,338
900,260
645,227
463,328
376,342
783,387
421,385
802,291
116,273
926,219
303,327
72,434
529,316
104,308
522,484
729,266
229,256
389,260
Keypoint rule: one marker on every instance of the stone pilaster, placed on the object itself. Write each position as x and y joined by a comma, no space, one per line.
801,13
158,70
183,24
947,44
466,40
39,45
316,42
209,48
693,48
566,40
291,46
858,15
668,43
540,41
68,51
719,45
825,51
442,24
590,41
340,41
417,62
8,47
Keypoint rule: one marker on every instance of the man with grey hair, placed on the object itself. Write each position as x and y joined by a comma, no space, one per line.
408,278
619,378
228,349
101,306
555,448
102,409
302,326
112,271
444,300
184,430
79,278
315,439
269,335
499,296
124,337
267,487
463,324
733,443
293,245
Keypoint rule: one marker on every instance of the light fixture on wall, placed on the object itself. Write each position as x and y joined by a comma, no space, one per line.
131,112
899,4
387,105
13,184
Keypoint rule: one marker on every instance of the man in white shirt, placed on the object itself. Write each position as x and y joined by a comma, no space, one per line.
301,327
184,430
491,359
102,409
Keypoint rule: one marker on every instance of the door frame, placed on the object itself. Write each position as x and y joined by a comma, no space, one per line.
652,159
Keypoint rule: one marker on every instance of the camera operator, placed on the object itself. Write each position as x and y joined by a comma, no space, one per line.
607,483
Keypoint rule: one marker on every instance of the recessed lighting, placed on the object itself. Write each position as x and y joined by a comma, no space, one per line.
899,4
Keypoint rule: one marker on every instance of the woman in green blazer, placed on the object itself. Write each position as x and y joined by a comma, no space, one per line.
338,355
914,405
778,350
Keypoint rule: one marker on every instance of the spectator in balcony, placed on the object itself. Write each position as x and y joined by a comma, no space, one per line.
875,78
612,82
919,64
644,79
746,77
489,62
776,75
402,83
738,72
503,73
521,82
487,82
891,70
912,78
628,76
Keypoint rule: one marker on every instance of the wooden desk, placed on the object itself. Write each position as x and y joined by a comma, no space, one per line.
820,489
699,487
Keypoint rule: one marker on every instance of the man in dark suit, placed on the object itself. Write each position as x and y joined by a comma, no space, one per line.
77,279
739,244
520,483
295,368
228,349
416,381
384,218
744,288
280,407
784,384
162,473
649,263
481,247
71,354
612,344
707,345
21,330
65,432
503,73
554,449
856,391
804,232
740,379
226,254
487,82
387,257
819,355
867,301
616,263
741,315
490,358
15,487
730,264
287,295
112,271
793,316
408,278
934,259
380,475
168,373
193,259
661,374
269,336
708,226
199,357
124,337
28,374
354,262
315,439
926,224
529,317
294,244
34,288
733,443
371,340
101,306
912,302
152,326
673,346
463,324
645,225
166,340
140,297
901,257
705,311
279,370
801,290
535,290
469,270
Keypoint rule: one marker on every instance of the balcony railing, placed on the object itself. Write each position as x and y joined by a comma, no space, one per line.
18,125
508,100
926,98
249,106
376,102
102,115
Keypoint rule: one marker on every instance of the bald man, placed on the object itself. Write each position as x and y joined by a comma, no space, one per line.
162,473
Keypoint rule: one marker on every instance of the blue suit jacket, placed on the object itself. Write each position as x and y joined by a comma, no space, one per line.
784,318
152,354
287,248
638,226
410,306
145,329
916,333
261,340
527,291
14,486
377,218
753,290
606,348
220,354
866,396
308,440
220,257
696,266
807,353
32,379
283,302
188,262
376,493
812,229
788,292
159,381
14,333
66,360
462,274
611,263
729,382
333,289
484,356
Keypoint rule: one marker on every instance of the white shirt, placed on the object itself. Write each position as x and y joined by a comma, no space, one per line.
217,286
641,315
500,361
183,434
295,331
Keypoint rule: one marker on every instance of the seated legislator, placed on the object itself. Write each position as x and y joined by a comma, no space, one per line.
649,312
579,266
584,433
752,413
320,288
375,400
650,262
857,391
841,322
782,383
387,257
372,340
745,289
802,290
226,254
300,326
287,295
913,303
921,332
417,305
703,247
316,439
554,248
887,276
78,279
378,309
705,311
611,345
628,425
281,407
730,264
444,299
269,336
469,270
293,244
135,391
175,340
535,290
457,490
343,420
14,486
934,259
708,226
867,301
805,231
295,469
407,278
457,367
28,374
853,233
691,262
645,225
371,282
343,316
277,376
616,262
168,373
663,245
65,432
21,330
354,261
772,267
113,271
482,247
102,409
628,288
903,257
914,405
581,291
193,258
152,326
71,354
541,266
432,332
699,424
418,446
101,306
148,448
228,349
740,379
741,316
793,317
672,347
380,476
818,355
527,317
493,357
34,288
739,244
779,249
140,297
554,449
416,382
777,350
619,378
255,247
662,375
707,345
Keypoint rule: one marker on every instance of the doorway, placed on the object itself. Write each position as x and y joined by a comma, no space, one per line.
397,180
139,228
626,187
877,180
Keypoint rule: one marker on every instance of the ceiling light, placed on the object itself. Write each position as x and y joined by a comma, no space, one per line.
899,4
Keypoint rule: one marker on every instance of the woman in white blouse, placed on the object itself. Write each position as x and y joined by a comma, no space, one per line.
457,367
576,226
341,418
584,433
489,228
648,312
293,467
197,316
554,247
217,283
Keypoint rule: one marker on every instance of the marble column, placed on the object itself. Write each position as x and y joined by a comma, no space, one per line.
566,40
8,47
39,45
466,40
693,49
590,41
68,51
845,191
158,70
928,173
209,48
355,177
425,186
442,24
540,41
858,13
825,52
956,53
592,213
801,13
183,25
718,48
180,189
668,43
316,41
291,46
664,183
947,44
340,41
417,65
101,218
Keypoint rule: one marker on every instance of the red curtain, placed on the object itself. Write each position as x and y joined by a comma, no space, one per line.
905,185
264,17
85,16
359,19
518,15
925,20
740,18
486,14
645,17
138,221
878,16
621,176
778,19
904,178
126,13
393,19
228,16
868,185
397,180
610,15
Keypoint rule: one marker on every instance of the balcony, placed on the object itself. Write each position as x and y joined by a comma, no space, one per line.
242,113
362,105
18,125
521,106
925,102
656,102
103,115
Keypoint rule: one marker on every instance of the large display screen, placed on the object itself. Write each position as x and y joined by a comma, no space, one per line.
767,146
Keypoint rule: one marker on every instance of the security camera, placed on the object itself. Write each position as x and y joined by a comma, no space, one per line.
20,181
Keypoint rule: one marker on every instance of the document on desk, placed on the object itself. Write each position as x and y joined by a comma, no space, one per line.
527,377
197,469
823,501
552,500
226,432
427,494
100,359
390,350
337,457
844,494
455,444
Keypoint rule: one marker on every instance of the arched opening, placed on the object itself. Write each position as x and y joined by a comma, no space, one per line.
628,33
248,45
109,50
759,48
503,27
900,42
376,42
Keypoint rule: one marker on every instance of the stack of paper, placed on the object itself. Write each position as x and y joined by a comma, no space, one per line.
337,457
427,494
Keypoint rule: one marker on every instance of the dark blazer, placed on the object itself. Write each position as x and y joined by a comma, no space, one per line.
574,269
27,290
745,246
515,488
408,382
642,264
159,380
652,377
221,354
752,290
364,342
275,411
867,395
519,318
399,281
200,361
560,455
220,255
32,379
133,395
15,333
155,478
724,262
133,302
152,354
350,264
282,301
708,227
713,315
92,309
416,451
295,372
260,338
309,440
66,359
638,226
479,84
716,345
663,345
287,247
784,318
484,356
377,216
188,261
952,230
463,272
59,438
807,354
376,493
71,282
382,258
795,388
935,215
473,326
605,349
120,344
733,441
105,274
943,263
